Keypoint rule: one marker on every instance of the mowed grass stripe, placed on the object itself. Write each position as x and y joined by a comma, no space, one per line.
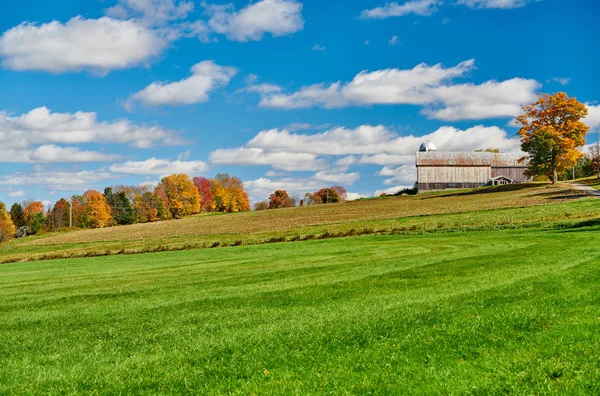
514,311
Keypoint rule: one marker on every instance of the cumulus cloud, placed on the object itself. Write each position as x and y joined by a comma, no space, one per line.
281,160
40,126
155,166
593,118
339,177
373,141
99,45
16,193
51,153
427,86
366,144
275,17
59,180
206,77
418,7
405,175
319,47
153,11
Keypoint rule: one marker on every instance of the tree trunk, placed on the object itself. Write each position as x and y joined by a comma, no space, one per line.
554,172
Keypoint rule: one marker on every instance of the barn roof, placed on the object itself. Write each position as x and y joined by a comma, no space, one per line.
441,158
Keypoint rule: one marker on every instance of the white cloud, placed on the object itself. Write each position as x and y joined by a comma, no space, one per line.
206,77
418,7
287,151
424,85
281,160
560,80
155,166
340,177
51,153
41,126
276,17
351,196
404,175
99,45
378,145
593,118
319,47
501,4
153,11
394,40
17,193
59,180
491,99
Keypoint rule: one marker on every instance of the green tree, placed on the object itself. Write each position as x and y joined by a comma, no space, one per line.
17,215
121,209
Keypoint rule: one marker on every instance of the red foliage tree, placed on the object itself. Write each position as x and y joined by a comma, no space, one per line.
280,199
341,191
206,196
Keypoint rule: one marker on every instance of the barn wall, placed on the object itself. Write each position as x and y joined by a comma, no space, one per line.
515,173
478,175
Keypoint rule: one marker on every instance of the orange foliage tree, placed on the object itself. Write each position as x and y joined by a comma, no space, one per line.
90,210
179,194
7,227
228,194
280,199
551,133
35,216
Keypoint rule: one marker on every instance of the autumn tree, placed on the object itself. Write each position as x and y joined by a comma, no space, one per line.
551,133
35,216
327,195
7,227
311,199
261,205
149,207
17,215
58,216
206,196
280,199
228,194
179,195
122,210
341,191
90,210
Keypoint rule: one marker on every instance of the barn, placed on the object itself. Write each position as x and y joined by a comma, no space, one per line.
438,170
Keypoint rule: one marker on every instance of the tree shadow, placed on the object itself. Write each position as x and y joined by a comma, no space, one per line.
488,190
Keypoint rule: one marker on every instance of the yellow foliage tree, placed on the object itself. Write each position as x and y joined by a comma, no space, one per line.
228,194
551,133
179,194
97,211
7,227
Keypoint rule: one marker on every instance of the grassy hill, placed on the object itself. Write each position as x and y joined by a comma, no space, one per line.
474,292
501,207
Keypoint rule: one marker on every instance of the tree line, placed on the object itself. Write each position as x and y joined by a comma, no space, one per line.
175,197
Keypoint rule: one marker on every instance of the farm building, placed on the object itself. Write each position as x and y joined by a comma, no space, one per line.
438,170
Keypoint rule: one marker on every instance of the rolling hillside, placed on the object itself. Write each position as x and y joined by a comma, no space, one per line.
508,206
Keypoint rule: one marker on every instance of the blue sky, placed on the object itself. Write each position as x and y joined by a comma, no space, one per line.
293,94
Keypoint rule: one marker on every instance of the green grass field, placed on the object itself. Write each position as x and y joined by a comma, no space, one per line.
501,300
